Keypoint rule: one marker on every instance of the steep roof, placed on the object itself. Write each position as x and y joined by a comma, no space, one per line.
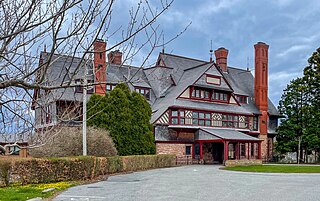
185,71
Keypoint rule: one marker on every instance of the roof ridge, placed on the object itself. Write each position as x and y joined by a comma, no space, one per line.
183,57
238,68
197,66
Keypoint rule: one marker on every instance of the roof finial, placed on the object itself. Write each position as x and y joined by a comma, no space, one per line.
163,44
45,48
211,52
248,64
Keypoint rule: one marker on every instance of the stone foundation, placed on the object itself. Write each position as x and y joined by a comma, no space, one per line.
170,148
243,162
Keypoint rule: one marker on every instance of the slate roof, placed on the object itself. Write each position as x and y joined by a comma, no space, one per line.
185,71
226,134
167,83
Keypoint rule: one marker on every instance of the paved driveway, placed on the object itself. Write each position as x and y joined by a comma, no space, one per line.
199,182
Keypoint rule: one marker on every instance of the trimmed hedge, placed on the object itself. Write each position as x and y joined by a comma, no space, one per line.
35,170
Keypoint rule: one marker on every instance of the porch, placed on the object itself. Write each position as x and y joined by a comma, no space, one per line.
217,146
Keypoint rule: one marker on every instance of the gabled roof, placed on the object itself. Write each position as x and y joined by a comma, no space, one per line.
188,77
185,71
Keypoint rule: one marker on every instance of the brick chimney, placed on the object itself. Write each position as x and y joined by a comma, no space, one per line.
221,58
261,76
115,57
100,70
261,93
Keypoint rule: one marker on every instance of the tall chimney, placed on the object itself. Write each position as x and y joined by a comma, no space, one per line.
221,58
115,57
261,76
261,93
100,63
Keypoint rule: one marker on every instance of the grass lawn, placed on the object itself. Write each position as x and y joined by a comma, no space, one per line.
32,191
277,168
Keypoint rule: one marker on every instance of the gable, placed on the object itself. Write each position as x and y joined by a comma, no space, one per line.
213,79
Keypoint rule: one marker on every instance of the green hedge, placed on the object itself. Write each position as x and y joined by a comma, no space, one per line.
35,170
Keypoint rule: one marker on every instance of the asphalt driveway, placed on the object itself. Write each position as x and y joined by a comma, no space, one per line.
199,182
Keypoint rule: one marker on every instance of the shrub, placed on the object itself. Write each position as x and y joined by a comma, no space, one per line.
126,116
67,141
36,170
5,165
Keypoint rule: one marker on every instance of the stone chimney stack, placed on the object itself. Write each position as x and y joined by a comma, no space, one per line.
100,66
221,58
115,57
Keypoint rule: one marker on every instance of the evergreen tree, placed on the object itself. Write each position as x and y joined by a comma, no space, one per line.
126,116
300,104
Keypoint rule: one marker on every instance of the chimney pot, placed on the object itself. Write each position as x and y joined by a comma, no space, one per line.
222,58
115,57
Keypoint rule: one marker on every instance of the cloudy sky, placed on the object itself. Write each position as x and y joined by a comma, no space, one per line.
290,27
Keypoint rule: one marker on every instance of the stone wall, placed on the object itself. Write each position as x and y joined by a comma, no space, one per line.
170,148
243,162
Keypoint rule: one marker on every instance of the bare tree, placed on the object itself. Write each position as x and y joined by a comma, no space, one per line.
64,27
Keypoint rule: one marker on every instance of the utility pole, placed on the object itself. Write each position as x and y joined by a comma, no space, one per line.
84,109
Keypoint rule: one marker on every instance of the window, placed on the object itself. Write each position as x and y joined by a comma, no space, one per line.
255,123
110,87
174,117
242,99
211,79
230,121
143,91
200,93
14,150
188,150
220,96
79,89
201,118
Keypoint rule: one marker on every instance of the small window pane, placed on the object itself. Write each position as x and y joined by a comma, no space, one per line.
207,115
193,93
235,118
142,91
201,122
174,120
195,121
208,123
197,93
224,124
137,90
224,117
174,113
181,113
225,97
230,117
181,120
206,94
201,115
195,114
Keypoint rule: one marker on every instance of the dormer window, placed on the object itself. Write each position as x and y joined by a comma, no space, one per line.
242,99
213,79
143,91
200,93
110,87
220,96
79,89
